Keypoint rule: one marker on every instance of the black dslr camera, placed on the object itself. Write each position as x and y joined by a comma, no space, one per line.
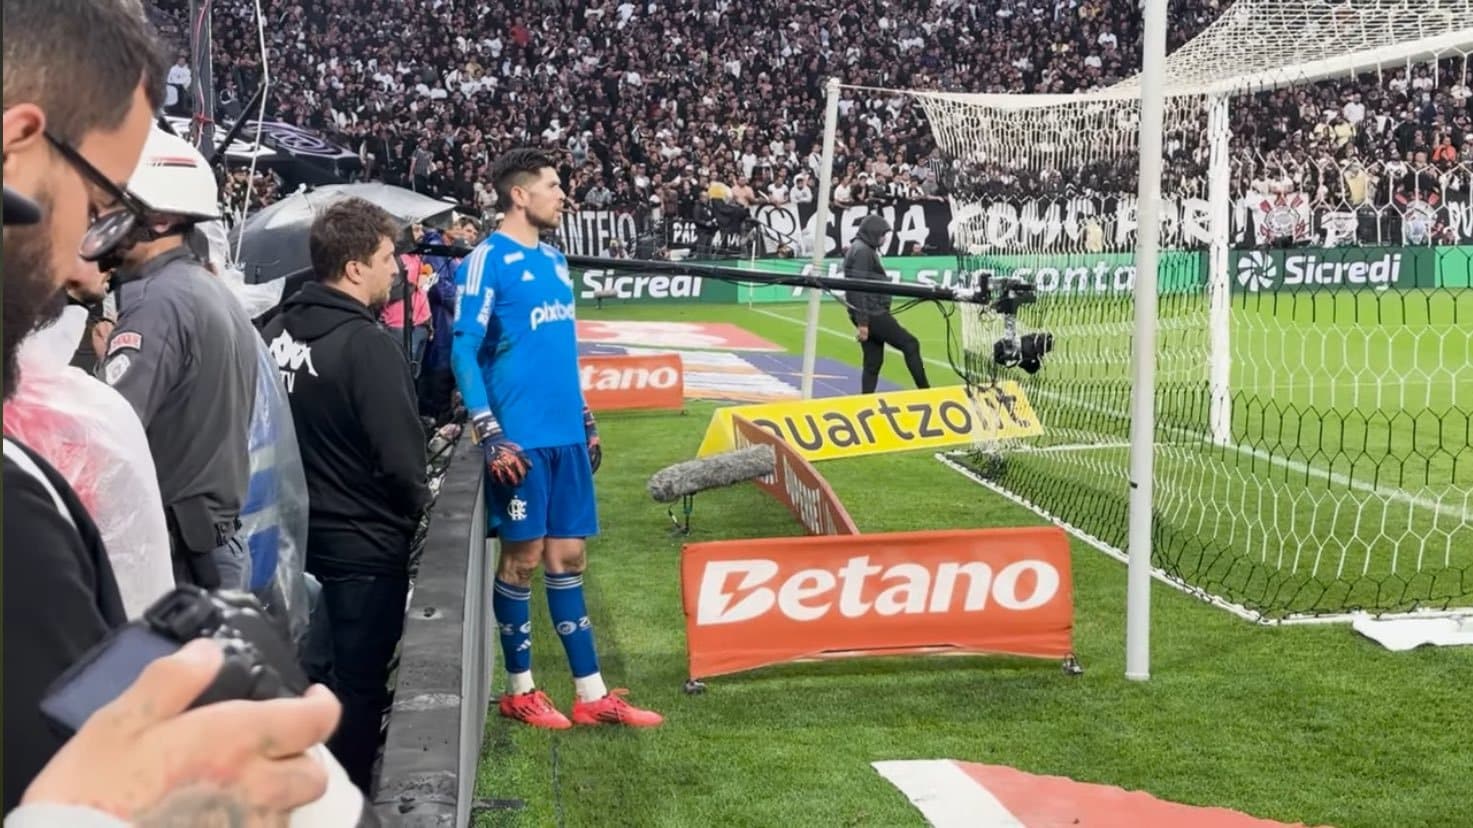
259,664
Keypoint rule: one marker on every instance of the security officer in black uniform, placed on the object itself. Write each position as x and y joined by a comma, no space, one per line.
184,354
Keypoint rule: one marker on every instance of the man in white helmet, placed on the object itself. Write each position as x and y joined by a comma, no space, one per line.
184,355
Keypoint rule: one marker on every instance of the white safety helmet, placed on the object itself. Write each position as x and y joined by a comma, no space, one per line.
172,177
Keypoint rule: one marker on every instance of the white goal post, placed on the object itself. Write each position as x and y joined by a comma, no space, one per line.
1309,464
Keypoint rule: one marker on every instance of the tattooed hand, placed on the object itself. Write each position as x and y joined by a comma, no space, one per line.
147,760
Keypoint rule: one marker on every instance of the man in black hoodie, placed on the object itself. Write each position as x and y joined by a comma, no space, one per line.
870,312
363,450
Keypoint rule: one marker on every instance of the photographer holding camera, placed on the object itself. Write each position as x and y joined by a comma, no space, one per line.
233,763
870,312
82,81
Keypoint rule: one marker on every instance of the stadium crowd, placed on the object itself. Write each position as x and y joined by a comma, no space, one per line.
649,104
193,417
220,506
109,503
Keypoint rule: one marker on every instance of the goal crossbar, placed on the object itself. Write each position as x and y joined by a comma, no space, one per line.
1283,504
1295,75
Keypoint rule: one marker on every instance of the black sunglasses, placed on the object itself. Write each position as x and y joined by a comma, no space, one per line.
110,228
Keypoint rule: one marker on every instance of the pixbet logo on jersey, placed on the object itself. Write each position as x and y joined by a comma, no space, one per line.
756,602
551,312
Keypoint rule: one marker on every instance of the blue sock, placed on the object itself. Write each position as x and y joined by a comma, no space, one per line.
513,607
570,619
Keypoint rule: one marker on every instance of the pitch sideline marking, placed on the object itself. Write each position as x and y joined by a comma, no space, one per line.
1294,465
945,795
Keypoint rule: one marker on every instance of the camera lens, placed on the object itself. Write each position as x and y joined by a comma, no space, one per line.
1035,345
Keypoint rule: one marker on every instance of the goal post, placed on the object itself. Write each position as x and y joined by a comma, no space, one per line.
1312,442
1219,346
1139,520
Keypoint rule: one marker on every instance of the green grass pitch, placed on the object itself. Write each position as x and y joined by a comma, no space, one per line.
1312,724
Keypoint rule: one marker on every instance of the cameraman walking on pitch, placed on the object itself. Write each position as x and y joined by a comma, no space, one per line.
870,312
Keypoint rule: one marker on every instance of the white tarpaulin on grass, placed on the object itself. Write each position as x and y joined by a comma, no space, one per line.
1402,634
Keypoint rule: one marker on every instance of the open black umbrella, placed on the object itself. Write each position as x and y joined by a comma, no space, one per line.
273,241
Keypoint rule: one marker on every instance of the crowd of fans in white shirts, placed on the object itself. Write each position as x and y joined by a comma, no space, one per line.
650,103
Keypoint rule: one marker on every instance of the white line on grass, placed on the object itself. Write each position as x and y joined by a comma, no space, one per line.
1159,574
1294,465
946,796
1156,572
1076,447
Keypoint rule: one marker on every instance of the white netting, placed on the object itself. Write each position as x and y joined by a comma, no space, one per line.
1315,362
1251,44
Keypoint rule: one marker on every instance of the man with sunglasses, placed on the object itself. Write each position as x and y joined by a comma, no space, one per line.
62,139
82,81
183,354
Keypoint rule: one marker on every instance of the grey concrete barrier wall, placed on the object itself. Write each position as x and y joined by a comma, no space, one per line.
447,657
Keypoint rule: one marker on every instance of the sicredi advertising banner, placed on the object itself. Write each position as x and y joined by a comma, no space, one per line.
823,429
644,287
1338,268
796,484
629,381
750,603
1066,274
1113,274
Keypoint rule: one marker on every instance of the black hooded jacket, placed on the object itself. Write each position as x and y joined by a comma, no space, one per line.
363,448
862,261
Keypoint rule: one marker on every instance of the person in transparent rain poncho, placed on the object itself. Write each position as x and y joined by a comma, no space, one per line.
90,434
274,517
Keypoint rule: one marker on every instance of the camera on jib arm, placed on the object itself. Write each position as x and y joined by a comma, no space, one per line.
259,665
1005,295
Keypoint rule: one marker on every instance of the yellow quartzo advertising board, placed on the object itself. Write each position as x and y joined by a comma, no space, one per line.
877,423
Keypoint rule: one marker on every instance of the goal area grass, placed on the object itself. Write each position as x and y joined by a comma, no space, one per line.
1311,724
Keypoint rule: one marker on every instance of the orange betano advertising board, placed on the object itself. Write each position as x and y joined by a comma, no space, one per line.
796,484
628,381
751,603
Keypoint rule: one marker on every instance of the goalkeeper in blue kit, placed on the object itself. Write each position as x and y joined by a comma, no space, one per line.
515,357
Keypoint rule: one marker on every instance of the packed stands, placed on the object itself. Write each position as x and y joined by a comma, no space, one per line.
650,104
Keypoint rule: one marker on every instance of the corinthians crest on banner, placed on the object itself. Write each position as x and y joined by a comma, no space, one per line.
1418,222
1282,216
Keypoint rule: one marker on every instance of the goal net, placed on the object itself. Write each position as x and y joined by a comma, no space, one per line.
1313,443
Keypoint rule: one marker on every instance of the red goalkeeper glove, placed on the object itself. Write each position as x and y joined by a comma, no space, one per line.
595,445
505,461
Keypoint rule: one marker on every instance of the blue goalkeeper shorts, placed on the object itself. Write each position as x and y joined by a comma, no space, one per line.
555,500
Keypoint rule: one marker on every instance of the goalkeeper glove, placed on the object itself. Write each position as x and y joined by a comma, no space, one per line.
505,461
595,445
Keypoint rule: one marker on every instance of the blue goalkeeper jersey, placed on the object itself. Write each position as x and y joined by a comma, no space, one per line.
515,349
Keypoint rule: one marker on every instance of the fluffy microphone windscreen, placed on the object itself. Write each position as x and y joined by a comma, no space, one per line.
724,469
